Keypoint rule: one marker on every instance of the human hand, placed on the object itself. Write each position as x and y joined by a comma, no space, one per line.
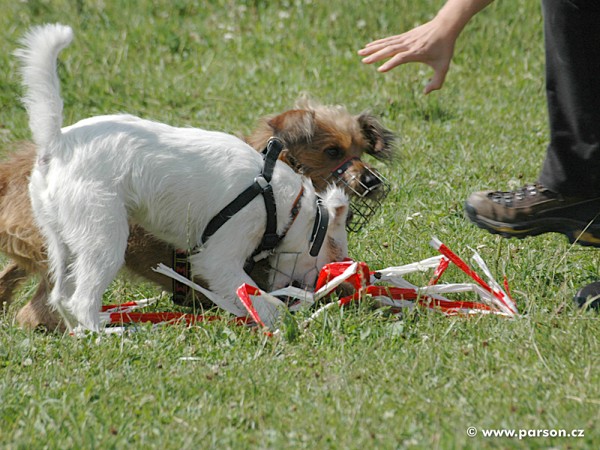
430,43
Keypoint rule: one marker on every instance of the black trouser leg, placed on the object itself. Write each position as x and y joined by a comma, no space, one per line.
572,40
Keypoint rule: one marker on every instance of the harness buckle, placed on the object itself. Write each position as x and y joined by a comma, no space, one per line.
270,241
262,182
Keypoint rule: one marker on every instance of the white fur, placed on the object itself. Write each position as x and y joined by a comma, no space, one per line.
93,177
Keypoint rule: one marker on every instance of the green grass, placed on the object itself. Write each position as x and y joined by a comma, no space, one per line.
357,378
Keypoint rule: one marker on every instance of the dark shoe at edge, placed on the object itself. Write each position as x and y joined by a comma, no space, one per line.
589,296
533,210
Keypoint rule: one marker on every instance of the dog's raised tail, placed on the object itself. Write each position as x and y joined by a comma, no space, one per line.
41,46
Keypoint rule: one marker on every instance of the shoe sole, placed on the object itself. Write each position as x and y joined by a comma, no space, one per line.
575,231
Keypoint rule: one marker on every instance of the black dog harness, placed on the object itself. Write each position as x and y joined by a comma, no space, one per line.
270,240
262,185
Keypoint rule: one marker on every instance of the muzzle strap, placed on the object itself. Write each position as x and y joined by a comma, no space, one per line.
339,170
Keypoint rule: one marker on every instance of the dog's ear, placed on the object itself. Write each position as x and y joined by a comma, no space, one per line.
380,139
294,127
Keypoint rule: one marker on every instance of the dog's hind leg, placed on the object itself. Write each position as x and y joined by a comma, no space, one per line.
10,278
97,259
59,256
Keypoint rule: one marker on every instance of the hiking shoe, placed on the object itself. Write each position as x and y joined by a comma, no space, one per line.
589,293
534,209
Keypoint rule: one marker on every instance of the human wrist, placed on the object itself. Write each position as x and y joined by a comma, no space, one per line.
455,14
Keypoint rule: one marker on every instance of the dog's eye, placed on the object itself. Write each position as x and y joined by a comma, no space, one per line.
334,152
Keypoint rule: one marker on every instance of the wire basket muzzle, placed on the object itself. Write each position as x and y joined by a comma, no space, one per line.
367,193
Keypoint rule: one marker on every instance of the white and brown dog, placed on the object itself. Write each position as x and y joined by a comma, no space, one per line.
324,142
320,139
92,178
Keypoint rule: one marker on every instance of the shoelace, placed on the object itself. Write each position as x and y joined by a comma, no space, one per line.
519,195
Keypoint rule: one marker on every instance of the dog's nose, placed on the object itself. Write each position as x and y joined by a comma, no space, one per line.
370,179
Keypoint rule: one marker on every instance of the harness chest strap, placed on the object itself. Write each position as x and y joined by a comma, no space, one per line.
261,185
234,207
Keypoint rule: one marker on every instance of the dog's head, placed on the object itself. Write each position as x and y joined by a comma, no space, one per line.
327,144
301,268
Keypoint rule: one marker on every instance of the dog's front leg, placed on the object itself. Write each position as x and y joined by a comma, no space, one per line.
223,278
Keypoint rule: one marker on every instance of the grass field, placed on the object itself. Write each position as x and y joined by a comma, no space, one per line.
358,378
